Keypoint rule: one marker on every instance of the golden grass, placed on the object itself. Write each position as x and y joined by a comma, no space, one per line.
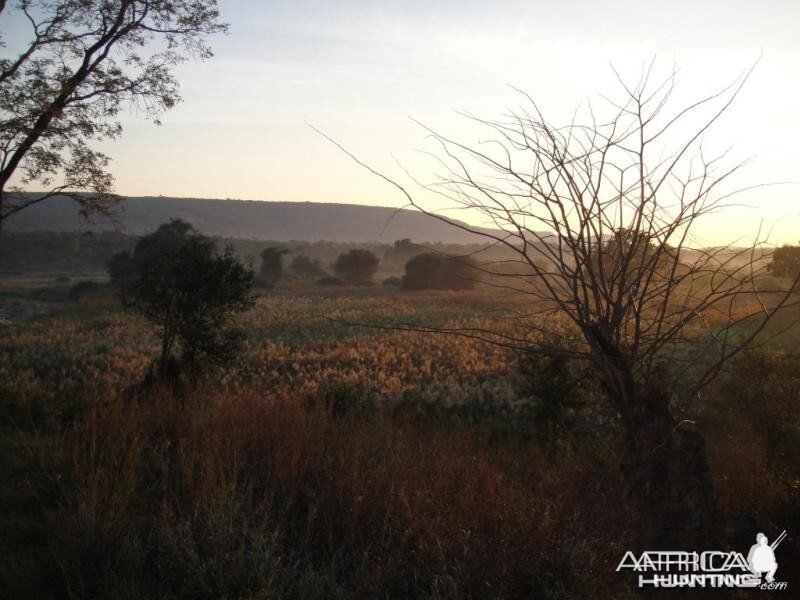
383,505
252,487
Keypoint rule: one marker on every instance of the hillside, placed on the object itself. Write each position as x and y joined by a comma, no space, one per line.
248,219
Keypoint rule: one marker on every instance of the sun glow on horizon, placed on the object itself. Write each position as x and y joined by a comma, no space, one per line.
358,71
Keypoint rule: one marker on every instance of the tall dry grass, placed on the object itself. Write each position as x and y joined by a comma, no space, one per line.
233,492
248,496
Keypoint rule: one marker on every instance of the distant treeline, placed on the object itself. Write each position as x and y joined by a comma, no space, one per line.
24,253
80,252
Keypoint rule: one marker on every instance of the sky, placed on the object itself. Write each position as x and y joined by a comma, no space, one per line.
361,70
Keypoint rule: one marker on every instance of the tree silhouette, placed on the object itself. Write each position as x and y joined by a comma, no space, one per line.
785,261
305,267
401,252
356,266
597,218
176,278
432,271
271,269
84,62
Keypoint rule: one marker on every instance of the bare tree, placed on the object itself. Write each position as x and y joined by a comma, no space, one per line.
85,60
597,220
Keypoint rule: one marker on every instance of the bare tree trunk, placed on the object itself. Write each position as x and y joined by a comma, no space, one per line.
667,467
667,470
167,342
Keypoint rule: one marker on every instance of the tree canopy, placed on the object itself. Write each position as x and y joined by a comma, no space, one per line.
357,266
178,280
271,264
786,261
63,90
304,266
432,271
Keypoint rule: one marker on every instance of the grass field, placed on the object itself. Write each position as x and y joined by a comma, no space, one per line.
334,461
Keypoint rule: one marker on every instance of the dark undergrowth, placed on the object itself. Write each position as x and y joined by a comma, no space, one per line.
248,496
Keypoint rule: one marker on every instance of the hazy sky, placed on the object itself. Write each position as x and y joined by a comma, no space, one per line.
358,70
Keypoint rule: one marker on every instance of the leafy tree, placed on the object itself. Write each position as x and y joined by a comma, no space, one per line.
176,278
305,267
84,61
356,266
628,253
785,261
271,264
432,271
401,252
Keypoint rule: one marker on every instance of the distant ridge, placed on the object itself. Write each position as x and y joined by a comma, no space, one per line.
251,219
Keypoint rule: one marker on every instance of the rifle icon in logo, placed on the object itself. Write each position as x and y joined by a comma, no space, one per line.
761,557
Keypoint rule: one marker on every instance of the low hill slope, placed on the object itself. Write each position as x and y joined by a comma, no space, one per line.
248,219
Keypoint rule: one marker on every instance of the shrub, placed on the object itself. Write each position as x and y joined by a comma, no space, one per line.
356,266
785,261
305,267
401,252
271,265
431,271
392,281
342,399
82,288
555,391
50,293
328,280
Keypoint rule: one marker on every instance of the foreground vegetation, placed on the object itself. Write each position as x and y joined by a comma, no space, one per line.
342,462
